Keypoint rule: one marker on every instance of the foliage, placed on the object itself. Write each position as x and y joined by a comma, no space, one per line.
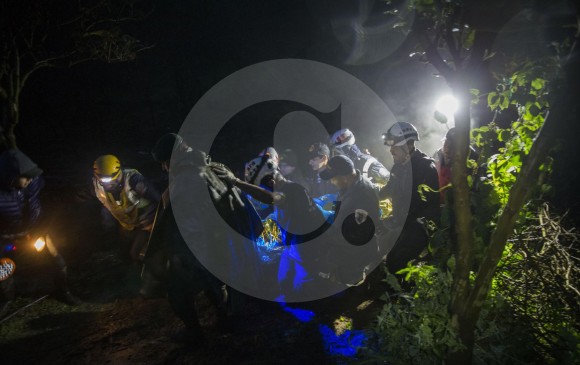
526,91
533,295
415,326
537,282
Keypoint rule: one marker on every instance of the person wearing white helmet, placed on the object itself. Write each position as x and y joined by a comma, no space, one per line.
298,216
343,143
411,169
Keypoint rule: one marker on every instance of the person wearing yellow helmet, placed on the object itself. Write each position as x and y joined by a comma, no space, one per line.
129,197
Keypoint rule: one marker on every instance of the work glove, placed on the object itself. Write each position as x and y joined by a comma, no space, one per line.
360,216
225,174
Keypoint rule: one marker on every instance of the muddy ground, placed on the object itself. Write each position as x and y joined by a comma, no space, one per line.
114,325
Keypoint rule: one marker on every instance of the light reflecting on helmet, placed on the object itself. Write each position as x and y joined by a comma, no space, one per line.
400,133
342,137
107,171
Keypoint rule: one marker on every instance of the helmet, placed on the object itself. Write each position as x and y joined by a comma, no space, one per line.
107,168
261,166
341,138
270,151
165,146
400,133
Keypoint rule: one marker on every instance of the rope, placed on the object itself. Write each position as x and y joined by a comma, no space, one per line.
23,308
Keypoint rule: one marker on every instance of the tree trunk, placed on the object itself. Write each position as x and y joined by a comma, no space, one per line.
463,229
13,117
465,327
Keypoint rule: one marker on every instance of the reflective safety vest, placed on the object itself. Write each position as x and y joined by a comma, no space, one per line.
130,206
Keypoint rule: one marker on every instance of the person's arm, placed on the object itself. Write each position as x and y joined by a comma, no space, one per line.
255,191
144,188
379,173
34,204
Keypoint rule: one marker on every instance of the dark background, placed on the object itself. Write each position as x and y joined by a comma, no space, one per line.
71,116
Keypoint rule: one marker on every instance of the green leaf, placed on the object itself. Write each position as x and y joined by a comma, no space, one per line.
440,117
493,100
503,135
538,84
504,101
393,282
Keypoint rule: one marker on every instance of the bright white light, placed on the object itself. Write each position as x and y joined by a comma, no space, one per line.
447,105
106,179
39,244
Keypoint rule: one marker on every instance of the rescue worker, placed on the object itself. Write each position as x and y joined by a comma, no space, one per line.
444,159
22,223
411,213
355,224
290,170
343,143
129,197
186,276
319,155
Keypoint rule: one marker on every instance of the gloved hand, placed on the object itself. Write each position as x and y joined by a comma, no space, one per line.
225,175
360,216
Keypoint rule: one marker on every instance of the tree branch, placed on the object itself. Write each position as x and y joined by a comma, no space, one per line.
435,59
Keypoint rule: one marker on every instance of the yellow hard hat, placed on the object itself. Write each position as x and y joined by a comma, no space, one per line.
107,167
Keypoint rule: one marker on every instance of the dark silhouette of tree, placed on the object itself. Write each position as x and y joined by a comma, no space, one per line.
36,35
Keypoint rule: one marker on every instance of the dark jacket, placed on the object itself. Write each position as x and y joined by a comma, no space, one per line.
319,187
356,244
20,209
190,228
402,189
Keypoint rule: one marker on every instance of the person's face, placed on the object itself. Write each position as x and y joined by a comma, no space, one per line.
317,163
400,153
286,169
341,182
268,182
22,182
109,184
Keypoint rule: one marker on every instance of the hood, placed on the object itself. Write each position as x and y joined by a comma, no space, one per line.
13,164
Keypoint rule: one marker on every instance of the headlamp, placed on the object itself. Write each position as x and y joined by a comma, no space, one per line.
106,179
387,140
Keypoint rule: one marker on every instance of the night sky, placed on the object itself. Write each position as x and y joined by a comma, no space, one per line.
71,116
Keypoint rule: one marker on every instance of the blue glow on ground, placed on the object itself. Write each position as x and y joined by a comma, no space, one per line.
345,344
303,315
